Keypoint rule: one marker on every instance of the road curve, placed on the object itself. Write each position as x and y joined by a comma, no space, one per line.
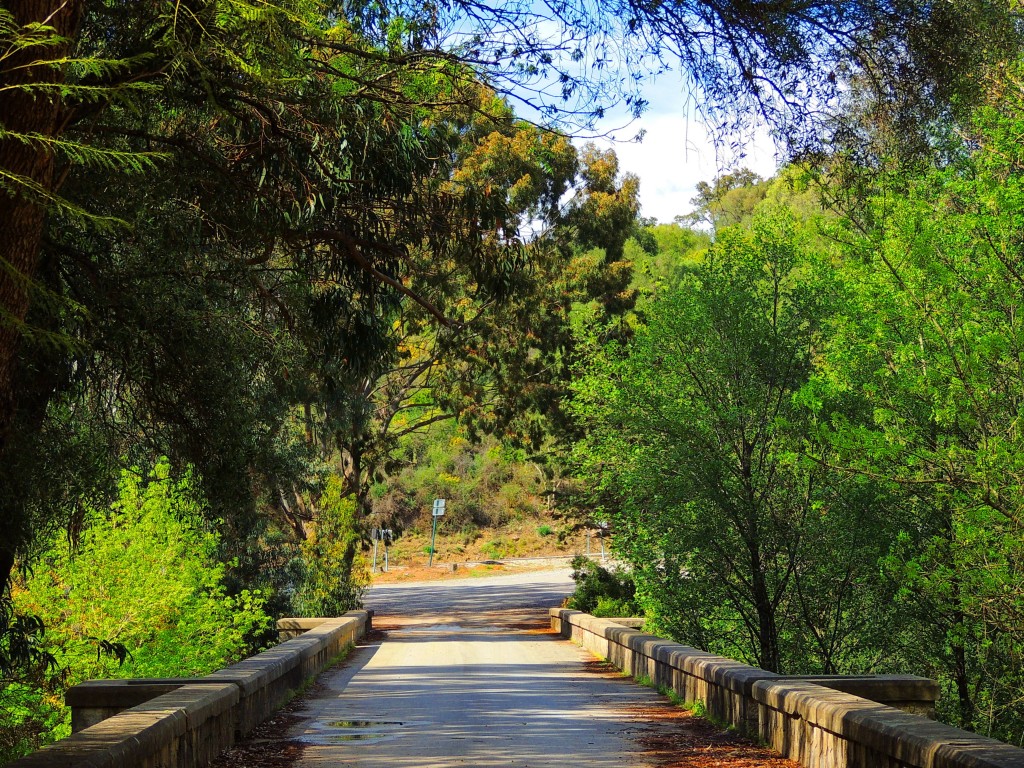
533,591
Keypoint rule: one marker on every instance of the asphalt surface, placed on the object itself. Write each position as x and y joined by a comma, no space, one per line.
468,673
534,591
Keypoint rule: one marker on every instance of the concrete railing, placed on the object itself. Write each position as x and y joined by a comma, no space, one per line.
821,722
186,722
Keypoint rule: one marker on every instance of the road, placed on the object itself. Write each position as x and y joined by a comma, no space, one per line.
468,674
531,592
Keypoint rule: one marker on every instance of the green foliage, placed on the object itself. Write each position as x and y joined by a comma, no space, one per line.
826,409
495,550
335,576
484,484
728,201
614,607
526,346
601,592
673,252
314,212
144,584
931,353
732,543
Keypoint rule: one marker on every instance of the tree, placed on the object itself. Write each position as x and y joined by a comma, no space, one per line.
353,418
282,208
729,200
933,349
332,583
527,346
663,254
35,35
695,443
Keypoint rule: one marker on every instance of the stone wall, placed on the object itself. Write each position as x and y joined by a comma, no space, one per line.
186,722
820,721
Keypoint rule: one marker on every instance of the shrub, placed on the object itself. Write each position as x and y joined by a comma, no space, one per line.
335,573
598,588
495,549
613,607
142,595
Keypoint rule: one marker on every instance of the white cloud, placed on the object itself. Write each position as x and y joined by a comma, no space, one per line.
676,152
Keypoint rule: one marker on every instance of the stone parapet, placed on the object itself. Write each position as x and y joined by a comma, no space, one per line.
291,627
821,721
186,722
94,701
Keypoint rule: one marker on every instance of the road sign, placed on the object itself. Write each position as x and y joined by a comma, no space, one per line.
436,513
385,536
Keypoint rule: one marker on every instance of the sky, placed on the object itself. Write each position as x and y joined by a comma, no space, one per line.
676,151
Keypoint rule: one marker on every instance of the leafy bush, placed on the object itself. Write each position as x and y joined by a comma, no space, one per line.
335,572
495,549
141,596
613,607
600,591
544,530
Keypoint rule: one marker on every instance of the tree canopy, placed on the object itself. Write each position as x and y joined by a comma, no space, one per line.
810,447
246,246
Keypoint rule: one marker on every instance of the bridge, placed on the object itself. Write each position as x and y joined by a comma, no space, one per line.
484,672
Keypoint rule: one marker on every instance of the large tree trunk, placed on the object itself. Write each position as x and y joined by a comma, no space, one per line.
767,632
22,214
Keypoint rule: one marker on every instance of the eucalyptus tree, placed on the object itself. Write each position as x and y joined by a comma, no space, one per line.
293,180
500,362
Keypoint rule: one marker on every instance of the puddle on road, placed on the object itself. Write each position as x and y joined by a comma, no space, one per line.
362,723
353,731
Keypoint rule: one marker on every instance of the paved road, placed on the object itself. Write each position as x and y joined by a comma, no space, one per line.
534,591
468,675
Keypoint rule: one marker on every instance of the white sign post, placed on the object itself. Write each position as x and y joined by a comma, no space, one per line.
437,512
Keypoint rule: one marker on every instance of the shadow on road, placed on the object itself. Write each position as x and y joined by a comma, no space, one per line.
503,698
534,592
